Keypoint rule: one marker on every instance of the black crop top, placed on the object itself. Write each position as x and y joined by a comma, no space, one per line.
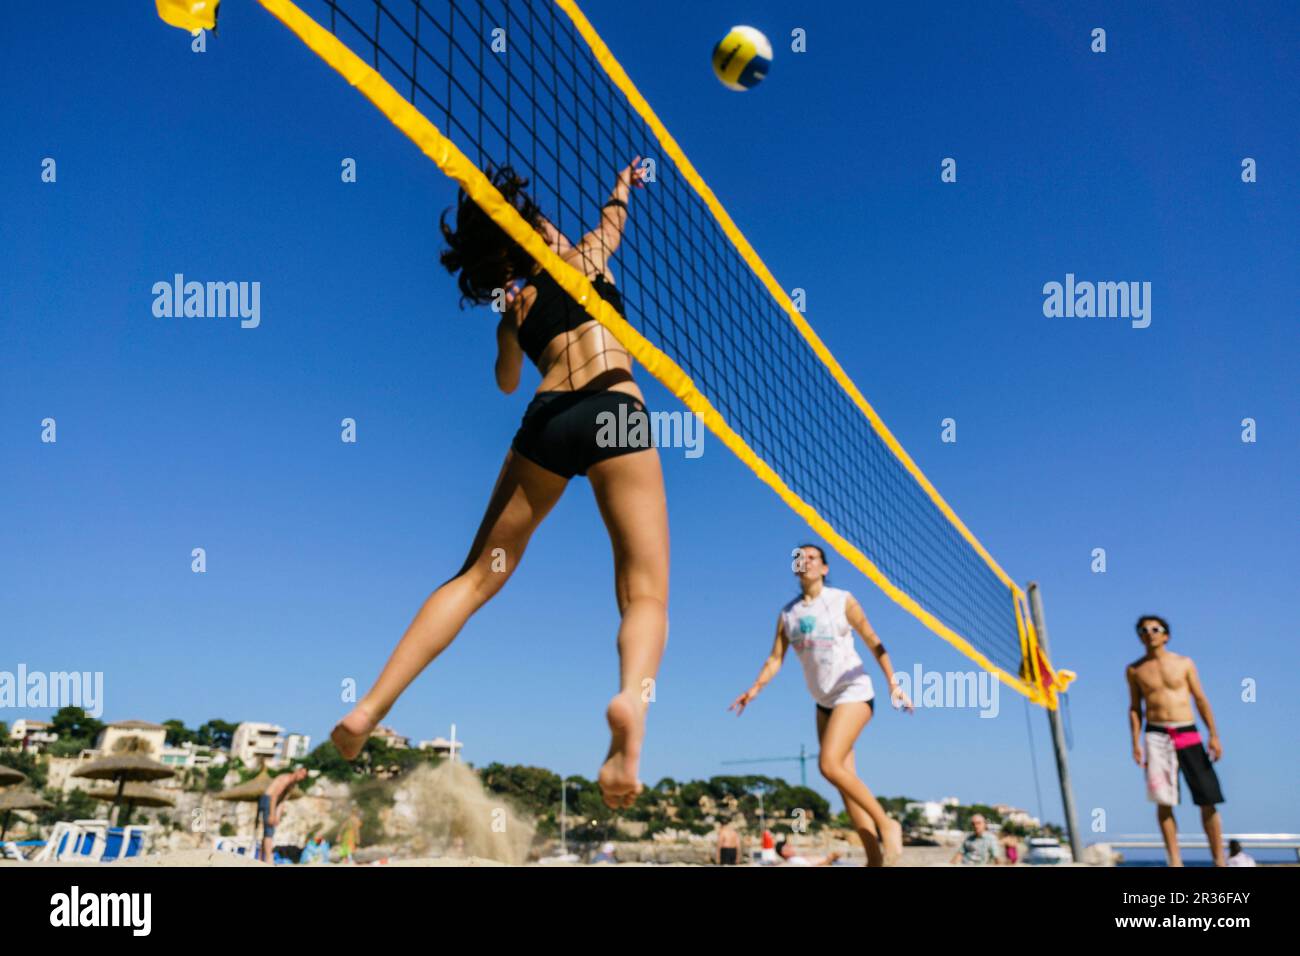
554,312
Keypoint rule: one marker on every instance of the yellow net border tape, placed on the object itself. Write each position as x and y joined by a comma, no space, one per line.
192,15
620,78
455,164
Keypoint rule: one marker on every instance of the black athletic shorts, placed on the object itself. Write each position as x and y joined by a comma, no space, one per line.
869,703
568,432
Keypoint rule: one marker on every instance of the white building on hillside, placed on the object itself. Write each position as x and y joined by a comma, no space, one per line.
444,748
390,737
257,744
296,747
935,813
192,756
32,734
150,738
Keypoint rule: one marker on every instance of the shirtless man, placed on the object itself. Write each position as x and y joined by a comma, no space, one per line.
269,804
728,845
1166,684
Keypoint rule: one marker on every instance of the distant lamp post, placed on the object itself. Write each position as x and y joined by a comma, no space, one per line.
758,790
564,810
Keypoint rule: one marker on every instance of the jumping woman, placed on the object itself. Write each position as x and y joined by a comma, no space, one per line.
584,374
819,625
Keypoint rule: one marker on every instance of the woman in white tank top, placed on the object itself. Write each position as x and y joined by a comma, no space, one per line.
819,626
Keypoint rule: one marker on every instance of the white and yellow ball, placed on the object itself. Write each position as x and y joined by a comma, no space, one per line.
742,58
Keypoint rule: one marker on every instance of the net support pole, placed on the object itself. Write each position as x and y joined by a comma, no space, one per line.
1058,731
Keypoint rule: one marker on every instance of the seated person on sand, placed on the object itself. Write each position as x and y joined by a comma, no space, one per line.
979,848
790,856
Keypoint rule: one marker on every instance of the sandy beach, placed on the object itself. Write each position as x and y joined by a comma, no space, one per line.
912,856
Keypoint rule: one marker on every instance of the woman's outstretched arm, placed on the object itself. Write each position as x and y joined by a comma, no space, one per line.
771,665
599,245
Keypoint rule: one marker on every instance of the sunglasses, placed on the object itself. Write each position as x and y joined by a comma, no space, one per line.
1151,629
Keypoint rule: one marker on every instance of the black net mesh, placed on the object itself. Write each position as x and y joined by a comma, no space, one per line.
515,83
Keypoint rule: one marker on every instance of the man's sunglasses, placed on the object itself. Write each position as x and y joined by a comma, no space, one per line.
1151,629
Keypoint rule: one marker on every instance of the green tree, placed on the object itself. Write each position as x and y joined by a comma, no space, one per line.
216,733
377,754
533,789
327,759
178,733
666,786
689,793
1015,829
896,806
645,808
590,821
76,730
215,774
77,805
25,762
786,799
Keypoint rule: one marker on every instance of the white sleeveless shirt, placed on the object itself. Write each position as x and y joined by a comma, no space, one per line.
821,637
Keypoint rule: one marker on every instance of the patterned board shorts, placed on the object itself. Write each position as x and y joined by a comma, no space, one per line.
1171,749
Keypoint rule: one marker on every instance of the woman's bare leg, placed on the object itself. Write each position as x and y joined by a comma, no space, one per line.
865,826
842,729
862,821
629,490
523,496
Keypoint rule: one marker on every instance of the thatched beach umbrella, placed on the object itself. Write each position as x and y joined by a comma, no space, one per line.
135,795
253,788
19,800
129,765
9,776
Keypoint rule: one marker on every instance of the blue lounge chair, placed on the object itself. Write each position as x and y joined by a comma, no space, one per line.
88,844
240,846
9,850
63,839
112,845
122,843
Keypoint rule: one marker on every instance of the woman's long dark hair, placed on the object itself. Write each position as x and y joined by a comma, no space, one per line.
479,249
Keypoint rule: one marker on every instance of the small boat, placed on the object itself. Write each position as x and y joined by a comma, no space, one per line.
1046,850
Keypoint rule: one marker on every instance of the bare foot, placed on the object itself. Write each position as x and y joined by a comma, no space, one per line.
617,778
893,841
351,733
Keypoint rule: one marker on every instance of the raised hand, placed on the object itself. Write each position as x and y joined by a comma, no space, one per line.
633,175
739,704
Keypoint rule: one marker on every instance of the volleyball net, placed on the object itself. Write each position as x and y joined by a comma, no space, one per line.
478,84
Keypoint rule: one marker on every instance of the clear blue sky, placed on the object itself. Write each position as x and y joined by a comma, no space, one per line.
1072,433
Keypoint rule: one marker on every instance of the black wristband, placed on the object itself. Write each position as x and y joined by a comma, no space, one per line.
615,202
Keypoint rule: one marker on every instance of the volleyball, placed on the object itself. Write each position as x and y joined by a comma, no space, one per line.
741,58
